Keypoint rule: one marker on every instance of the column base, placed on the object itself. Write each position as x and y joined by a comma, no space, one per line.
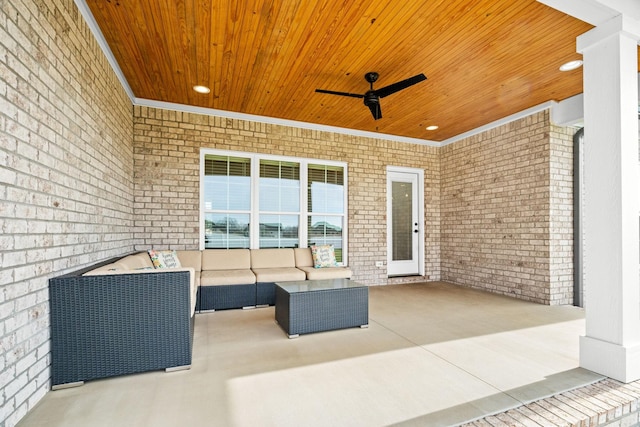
613,360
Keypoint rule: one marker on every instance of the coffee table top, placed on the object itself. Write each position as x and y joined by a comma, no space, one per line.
317,285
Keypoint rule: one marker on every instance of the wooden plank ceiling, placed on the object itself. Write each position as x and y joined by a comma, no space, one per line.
484,59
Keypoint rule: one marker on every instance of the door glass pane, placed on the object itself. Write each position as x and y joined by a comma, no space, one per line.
279,231
326,230
225,231
402,229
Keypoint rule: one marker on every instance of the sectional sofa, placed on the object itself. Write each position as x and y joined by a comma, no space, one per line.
126,316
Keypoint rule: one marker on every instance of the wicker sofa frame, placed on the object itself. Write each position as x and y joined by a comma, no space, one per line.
108,325
223,297
114,318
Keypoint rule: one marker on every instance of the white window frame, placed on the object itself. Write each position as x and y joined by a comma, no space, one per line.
254,232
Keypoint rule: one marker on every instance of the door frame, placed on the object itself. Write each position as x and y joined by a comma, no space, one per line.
421,218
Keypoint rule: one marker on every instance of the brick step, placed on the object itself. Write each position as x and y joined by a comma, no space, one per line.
604,403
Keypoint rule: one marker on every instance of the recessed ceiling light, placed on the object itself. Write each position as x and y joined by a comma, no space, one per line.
201,89
432,127
571,65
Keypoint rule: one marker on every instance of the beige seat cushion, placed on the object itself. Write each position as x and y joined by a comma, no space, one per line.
304,261
278,274
226,259
327,273
227,277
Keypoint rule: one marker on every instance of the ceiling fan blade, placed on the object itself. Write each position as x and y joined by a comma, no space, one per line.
393,88
376,112
331,92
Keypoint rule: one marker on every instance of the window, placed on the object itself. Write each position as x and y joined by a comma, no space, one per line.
279,204
325,213
256,201
227,201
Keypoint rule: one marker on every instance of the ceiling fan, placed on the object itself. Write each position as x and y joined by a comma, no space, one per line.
372,97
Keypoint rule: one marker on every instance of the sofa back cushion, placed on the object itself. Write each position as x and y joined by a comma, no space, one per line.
191,259
272,258
303,257
226,259
137,261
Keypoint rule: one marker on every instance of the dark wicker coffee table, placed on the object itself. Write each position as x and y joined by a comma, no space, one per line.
308,306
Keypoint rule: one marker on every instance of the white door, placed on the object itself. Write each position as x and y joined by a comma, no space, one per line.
405,234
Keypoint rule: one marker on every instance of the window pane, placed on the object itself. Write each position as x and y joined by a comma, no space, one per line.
227,193
279,186
326,230
227,183
279,231
226,165
226,231
326,189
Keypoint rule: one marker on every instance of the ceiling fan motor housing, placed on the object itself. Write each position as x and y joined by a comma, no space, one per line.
370,98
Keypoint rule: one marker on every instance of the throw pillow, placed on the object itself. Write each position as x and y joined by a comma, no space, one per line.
323,256
164,259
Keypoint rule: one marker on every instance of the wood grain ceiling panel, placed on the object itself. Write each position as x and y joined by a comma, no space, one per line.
484,59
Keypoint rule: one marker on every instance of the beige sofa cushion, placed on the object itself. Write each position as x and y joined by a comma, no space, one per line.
278,274
275,265
304,261
303,257
137,261
227,277
313,273
272,258
226,259
192,259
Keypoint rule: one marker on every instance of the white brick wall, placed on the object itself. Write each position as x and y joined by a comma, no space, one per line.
66,168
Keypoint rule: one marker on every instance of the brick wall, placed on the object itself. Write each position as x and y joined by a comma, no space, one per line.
167,149
507,211
66,171
561,215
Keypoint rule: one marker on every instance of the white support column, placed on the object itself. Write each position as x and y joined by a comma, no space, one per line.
612,200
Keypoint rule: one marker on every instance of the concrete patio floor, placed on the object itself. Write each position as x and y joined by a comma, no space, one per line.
434,354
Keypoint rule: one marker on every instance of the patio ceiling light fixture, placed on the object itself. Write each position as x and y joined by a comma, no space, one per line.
571,65
201,89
